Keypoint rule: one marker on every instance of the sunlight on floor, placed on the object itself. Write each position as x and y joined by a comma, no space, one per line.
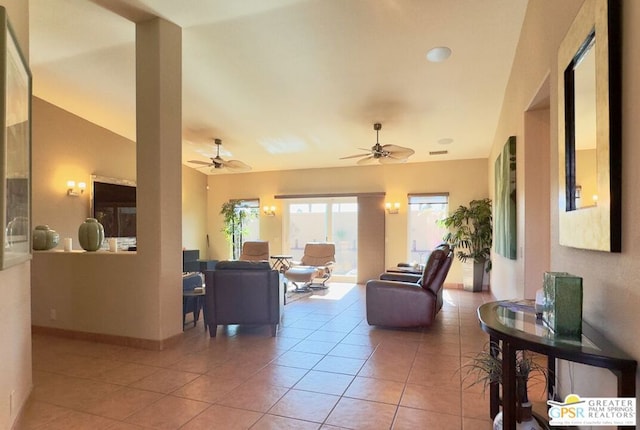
447,297
336,291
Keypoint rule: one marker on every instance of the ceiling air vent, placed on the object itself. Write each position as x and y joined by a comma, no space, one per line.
438,152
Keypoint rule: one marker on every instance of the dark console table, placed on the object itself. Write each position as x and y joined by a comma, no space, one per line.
515,326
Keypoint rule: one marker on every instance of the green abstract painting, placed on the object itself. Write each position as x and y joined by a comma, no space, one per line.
504,227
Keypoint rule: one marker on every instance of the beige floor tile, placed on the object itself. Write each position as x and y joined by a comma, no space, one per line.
79,421
36,414
352,351
475,424
475,405
126,373
282,376
362,414
244,378
314,346
303,360
324,382
434,399
382,370
70,392
218,417
411,419
377,390
349,366
209,389
254,397
165,381
305,405
123,403
272,422
168,413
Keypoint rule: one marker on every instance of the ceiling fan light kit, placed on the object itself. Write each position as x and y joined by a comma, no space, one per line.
383,154
218,162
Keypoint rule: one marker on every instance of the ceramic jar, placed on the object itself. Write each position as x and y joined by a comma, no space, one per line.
91,234
44,238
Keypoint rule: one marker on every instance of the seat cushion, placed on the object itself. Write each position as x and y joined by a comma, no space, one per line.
301,273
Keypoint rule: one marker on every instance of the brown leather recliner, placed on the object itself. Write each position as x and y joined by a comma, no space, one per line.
255,250
394,302
243,292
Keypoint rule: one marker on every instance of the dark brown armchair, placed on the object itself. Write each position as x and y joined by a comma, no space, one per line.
401,300
243,292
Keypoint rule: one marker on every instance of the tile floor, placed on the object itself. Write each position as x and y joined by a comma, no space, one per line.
326,369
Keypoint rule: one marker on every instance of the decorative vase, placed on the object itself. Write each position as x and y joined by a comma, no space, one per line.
44,238
91,234
528,421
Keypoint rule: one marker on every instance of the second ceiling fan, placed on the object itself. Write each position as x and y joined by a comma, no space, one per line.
384,154
218,162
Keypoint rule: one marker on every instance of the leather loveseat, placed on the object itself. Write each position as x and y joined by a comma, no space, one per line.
394,302
243,292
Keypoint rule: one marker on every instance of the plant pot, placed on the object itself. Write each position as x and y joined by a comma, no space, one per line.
472,276
531,424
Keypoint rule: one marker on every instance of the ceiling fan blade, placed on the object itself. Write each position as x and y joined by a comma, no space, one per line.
367,160
236,165
398,151
356,156
205,163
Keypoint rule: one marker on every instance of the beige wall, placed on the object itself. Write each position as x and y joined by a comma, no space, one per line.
194,210
464,180
15,295
88,290
67,147
611,293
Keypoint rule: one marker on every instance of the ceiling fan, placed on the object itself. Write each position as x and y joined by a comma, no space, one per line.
384,154
218,163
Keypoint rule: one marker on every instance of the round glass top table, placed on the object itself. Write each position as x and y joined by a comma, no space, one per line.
515,326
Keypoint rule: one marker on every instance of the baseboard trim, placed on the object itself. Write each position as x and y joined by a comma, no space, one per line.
132,342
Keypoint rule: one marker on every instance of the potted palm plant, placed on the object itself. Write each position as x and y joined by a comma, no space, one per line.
471,235
486,368
234,229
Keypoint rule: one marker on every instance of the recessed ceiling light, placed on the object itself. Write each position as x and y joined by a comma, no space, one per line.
445,141
438,54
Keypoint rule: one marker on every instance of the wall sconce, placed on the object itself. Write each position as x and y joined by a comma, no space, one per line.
71,188
392,208
269,210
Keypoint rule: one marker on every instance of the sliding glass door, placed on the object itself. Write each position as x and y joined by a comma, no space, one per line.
324,220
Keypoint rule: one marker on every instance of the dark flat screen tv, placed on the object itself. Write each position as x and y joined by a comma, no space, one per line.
113,204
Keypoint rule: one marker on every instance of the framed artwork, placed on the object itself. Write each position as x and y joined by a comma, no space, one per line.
505,227
15,149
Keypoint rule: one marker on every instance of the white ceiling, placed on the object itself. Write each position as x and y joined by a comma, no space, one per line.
290,84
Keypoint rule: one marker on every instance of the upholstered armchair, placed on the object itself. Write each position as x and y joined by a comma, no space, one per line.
319,256
402,300
256,250
243,292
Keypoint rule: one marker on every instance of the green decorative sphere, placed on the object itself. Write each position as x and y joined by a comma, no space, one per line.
91,234
44,238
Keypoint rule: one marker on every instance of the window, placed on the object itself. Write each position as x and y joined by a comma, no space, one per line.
424,232
332,219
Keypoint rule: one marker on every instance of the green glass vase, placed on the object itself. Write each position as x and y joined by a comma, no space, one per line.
91,234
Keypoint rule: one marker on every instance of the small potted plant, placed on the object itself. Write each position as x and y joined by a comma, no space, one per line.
486,368
471,235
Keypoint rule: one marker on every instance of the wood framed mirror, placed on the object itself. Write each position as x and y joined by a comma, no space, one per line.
589,133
